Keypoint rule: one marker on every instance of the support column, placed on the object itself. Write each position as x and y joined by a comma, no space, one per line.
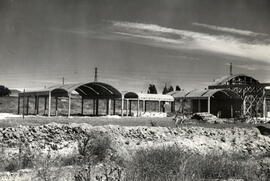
231,111
27,105
23,102
108,109
199,105
145,106
172,106
94,106
114,105
19,102
209,105
82,106
130,107
49,104
122,106
264,107
69,105
138,107
37,104
158,106
127,107
244,106
56,106
45,105
97,102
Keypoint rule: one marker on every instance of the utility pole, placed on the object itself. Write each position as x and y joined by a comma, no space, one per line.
231,69
96,76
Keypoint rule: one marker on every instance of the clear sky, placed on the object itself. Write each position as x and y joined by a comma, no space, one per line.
132,42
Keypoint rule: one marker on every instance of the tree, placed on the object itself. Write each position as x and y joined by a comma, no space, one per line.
165,90
170,89
152,89
4,91
177,88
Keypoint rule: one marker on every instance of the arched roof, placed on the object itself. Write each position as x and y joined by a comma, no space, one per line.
89,90
86,90
149,97
235,79
204,93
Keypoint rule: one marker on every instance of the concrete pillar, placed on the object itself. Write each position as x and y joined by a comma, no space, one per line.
264,107
56,106
23,103
19,102
244,106
37,104
49,104
82,106
69,105
45,105
94,107
209,105
127,107
122,106
97,106
27,105
130,103
138,107
143,106
172,106
114,105
108,107
199,105
159,106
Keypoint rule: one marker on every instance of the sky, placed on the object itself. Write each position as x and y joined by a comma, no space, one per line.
133,43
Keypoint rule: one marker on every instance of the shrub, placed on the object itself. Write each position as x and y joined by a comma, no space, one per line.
96,149
172,163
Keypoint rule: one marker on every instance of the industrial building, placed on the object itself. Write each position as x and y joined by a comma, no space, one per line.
229,96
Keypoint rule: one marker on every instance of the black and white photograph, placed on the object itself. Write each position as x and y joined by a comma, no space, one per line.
134,90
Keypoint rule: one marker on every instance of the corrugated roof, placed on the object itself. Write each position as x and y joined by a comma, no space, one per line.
149,97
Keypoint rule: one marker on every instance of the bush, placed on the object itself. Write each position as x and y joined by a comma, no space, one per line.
172,163
96,149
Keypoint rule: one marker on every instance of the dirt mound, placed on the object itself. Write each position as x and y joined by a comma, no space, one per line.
63,138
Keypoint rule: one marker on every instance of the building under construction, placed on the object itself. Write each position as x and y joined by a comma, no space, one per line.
230,96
